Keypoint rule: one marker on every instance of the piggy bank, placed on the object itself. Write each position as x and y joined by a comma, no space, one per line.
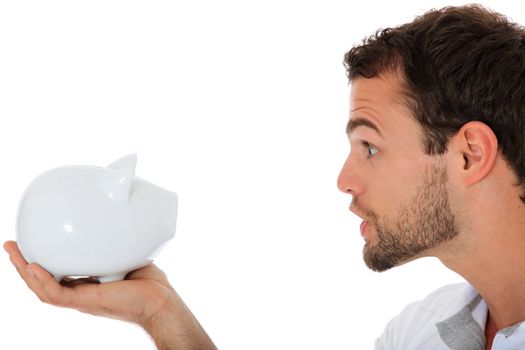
94,221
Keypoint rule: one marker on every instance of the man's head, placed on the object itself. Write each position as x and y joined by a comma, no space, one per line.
455,71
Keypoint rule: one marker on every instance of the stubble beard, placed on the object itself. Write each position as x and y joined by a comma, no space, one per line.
421,224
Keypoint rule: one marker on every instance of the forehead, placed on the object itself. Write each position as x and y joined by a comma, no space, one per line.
384,88
381,101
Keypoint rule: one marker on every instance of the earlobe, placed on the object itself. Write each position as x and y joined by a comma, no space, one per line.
479,147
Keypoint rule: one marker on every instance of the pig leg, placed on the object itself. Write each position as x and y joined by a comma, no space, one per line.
112,278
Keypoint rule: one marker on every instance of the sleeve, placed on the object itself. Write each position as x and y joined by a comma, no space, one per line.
394,335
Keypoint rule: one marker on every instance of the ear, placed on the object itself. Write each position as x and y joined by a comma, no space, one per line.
116,183
129,161
478,145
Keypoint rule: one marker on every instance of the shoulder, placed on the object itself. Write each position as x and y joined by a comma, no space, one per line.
447,300
415,326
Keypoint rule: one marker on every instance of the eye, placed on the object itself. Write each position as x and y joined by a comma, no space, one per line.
371,149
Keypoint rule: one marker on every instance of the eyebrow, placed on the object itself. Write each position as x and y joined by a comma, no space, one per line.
354,123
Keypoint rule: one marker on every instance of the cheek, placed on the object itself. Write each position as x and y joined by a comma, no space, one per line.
392,186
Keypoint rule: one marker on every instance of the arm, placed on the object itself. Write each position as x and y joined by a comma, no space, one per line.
145,297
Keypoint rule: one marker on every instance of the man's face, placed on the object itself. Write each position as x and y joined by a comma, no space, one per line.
400,192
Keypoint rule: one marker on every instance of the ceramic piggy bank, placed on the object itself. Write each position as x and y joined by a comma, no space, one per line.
94,221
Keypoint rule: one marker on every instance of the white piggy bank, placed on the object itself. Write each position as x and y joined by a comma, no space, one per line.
94,221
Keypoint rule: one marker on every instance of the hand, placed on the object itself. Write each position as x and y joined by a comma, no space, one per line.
145,297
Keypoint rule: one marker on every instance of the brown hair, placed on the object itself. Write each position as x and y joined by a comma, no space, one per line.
459,64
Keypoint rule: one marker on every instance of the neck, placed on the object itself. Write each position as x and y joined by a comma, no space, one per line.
490,256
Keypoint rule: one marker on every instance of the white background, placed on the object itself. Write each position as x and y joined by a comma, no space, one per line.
239,107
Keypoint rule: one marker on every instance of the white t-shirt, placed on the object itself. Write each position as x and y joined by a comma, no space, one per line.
452,317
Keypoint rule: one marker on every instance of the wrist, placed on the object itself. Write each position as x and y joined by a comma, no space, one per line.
173,327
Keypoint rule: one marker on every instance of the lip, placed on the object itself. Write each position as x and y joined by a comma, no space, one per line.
363,227
356,213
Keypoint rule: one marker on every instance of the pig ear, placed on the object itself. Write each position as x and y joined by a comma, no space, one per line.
125,162
116,183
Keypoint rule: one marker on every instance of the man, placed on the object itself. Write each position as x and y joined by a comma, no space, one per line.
436,168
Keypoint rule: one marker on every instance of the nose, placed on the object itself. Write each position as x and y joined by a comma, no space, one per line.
348,180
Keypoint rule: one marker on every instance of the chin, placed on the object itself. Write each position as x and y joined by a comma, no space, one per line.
384,263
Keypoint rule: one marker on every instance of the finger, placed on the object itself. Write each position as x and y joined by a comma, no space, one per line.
73,294
85,297
17,259
41,282
76,294
30,273
48,290
109,299
44,285
10,245
14,254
